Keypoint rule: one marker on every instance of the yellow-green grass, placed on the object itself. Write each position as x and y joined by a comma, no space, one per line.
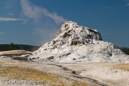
123,66
19,73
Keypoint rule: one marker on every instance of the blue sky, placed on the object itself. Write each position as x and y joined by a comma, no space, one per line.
35,22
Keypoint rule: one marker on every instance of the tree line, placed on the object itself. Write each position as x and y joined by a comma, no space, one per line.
126,50
12,46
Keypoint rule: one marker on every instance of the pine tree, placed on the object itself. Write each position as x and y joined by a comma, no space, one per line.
11,46
1,49
126,50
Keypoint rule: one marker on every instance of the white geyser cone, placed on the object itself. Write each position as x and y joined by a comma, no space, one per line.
74,43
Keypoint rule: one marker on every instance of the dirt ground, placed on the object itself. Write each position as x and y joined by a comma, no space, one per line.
93,74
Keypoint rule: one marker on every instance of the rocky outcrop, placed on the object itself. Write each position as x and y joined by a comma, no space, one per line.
14,53
78,34
75,43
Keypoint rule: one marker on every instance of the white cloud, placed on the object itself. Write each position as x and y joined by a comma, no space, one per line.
36,13
10,19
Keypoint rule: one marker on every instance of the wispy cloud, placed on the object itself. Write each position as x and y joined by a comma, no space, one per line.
36,13
127,4
1,33
10,19
10,14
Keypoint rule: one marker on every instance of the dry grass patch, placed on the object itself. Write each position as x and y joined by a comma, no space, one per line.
19,73
21,58
123,66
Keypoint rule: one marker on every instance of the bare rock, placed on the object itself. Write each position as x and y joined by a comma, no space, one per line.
75,43
14,53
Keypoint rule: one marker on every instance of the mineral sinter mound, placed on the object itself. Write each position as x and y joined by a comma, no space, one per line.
75,43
